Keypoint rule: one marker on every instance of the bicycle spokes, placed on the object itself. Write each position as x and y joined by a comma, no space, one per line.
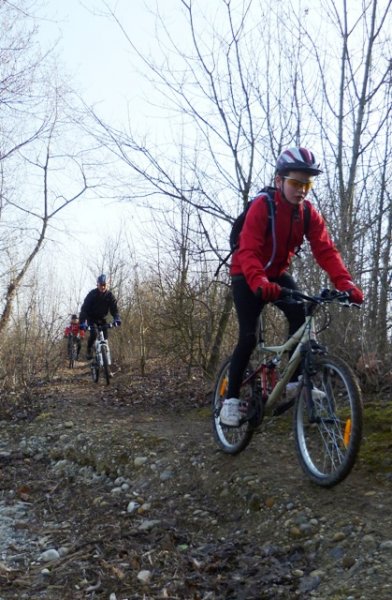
231,439
328,425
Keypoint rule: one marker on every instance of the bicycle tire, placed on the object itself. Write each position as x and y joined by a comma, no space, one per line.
231,440
69,353
73,355
327,446
105,362
95,370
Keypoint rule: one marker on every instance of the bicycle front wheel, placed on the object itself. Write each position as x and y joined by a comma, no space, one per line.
231,439
328,428
95,370
105,361
73,355
69,352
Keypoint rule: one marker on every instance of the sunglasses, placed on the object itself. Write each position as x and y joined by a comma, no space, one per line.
300,185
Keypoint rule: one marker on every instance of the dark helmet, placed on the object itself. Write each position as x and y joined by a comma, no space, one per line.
73,317
297,159
101,280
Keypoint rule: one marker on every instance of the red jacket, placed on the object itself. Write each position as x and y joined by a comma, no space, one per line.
256,243
73,329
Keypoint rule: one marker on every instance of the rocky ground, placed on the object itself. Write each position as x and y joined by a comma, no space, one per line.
119,492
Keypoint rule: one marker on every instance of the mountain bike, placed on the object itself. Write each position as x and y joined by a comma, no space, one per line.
327,402
101,354
72,348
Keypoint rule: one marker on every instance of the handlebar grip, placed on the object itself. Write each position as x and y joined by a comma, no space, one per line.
285,294
293,295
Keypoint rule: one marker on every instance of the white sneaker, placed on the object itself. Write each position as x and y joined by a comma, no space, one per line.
292,389
230,413
318,394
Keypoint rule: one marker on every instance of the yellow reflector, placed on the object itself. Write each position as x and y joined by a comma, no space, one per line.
223,386
347,433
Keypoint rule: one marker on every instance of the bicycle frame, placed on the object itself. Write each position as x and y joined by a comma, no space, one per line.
102,358
99,342
305,332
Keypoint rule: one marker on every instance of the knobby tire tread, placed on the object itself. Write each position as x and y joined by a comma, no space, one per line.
105,361
222,433
352,388
95,368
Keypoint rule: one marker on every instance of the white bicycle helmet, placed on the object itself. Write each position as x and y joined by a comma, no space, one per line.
297,159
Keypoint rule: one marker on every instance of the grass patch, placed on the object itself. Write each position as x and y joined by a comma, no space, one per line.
377,437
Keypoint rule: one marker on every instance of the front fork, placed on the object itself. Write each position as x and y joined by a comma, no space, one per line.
106,345
309,351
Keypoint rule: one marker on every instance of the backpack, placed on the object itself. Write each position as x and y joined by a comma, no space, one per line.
236,229
267,194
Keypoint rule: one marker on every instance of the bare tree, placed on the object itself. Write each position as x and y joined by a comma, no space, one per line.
42,169
42,211
239,90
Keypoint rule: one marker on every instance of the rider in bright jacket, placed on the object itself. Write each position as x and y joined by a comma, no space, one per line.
256,247
259,264
73,330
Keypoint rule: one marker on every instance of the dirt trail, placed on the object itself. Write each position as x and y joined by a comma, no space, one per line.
120,492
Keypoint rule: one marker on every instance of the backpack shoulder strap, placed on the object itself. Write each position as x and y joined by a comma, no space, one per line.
271,210
306,217
306,225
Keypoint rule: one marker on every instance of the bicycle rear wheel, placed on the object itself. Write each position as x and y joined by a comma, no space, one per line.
231,439
105,361
328,430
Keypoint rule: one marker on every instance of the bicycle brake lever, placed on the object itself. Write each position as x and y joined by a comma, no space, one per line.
348,304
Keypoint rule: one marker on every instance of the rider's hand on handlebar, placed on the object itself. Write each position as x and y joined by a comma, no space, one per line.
268,291
117,322
355,294
286,294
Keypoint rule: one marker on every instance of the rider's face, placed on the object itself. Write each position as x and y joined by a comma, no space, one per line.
102,287
295,186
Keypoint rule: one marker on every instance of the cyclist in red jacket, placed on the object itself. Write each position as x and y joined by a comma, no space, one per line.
259,264
73,330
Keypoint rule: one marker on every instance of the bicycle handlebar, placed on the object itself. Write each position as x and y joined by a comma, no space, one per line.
325,296
102,326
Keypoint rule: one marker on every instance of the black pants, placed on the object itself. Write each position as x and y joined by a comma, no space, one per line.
248,309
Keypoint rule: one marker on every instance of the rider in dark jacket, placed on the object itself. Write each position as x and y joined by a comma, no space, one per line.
96,306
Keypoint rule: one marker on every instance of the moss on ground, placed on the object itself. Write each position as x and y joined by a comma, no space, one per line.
377,437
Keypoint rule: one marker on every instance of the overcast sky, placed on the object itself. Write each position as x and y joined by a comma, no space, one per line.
97,62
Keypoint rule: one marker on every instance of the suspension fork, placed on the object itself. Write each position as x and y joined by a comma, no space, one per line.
309,351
